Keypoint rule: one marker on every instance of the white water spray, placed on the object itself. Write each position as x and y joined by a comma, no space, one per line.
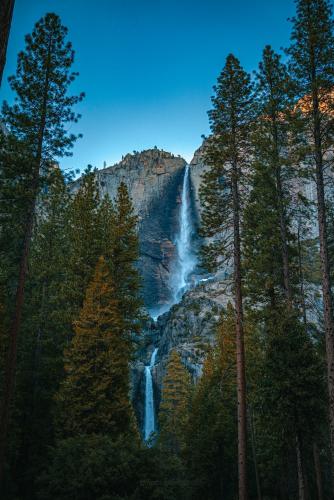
149,426
186,258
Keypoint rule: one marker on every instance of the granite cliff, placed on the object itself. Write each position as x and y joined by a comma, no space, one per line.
154,180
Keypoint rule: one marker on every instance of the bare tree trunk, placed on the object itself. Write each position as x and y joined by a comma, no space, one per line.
317,469
300,474
6,14
257,478
9,378
301,277
241,377
10,372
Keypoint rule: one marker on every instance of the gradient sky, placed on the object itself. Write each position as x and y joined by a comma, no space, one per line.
148,66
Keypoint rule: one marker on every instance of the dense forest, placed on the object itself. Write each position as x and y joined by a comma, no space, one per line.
259,421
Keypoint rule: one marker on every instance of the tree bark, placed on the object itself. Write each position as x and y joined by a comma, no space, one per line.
240,349
317,469
300,474
256,469
6,14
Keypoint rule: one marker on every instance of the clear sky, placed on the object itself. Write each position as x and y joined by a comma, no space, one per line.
148,66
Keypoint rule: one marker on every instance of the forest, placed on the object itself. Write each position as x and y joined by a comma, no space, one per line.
254,418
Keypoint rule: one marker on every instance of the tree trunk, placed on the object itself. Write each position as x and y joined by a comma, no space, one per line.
301,277
256,469
282,218
317,469
9,378
6,14
240,350
10,372
300,474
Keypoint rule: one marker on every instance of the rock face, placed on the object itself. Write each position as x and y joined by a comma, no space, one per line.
198,167
188,327
154,180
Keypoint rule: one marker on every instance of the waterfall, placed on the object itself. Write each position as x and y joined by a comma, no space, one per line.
186,258
149,422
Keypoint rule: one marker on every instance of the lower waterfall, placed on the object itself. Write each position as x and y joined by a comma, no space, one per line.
149,422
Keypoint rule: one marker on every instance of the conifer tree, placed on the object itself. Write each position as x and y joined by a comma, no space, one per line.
123,259
271,173
84,235
44,333
223,191
38,119
174,404
312,66
94,396
212,430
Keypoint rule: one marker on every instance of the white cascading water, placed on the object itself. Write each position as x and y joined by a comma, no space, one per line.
149,426
186,258
185,264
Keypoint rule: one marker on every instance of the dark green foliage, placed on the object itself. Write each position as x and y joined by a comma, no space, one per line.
174,406
212,432
93,397
229,144
121,249
98,467
42,105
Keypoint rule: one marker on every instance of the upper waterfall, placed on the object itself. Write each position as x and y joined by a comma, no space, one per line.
185,256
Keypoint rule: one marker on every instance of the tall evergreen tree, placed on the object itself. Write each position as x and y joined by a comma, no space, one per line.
94,396
84,235
223,190
212,430
44,334
123,259
312,66
38,119
174,404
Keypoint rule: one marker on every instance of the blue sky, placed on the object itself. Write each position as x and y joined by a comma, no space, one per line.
148,66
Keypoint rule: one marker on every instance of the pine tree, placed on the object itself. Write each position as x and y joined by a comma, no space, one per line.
271,143
94,396
312,66
84,235
227,152
174,404
123,259
38,119
44,329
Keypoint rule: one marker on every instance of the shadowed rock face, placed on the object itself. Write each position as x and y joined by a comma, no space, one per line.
154,180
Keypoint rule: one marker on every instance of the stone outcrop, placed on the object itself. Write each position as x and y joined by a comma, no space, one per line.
188,327
198,167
